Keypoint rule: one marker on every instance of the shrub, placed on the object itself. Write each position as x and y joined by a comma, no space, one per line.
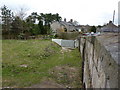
93,29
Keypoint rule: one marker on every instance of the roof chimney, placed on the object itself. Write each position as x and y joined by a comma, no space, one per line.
110,21
64,19
71,20
113,16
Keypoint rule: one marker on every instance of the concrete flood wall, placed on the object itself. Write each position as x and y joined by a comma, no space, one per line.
99,68
58,41
66,43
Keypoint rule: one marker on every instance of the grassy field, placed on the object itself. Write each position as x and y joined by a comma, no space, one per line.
29,62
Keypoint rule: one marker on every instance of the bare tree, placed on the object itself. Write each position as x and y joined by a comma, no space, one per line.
22,12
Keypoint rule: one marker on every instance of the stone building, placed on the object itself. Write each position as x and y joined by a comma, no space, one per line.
110,27
63,26
85,28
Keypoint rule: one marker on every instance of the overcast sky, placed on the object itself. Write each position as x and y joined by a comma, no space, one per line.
92,12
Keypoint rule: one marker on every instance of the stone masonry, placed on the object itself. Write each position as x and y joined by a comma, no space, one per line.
100,60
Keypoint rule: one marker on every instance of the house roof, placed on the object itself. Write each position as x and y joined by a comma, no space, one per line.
110,27
70,26
66,23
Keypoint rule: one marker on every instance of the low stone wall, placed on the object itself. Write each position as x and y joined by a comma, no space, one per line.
100,69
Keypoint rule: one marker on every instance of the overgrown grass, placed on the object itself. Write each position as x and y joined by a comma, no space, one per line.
27,62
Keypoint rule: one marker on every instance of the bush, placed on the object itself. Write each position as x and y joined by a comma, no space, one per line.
21,36
68,35
93,29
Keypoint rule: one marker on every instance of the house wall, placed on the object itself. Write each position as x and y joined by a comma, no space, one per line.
100,69
70,28
56,27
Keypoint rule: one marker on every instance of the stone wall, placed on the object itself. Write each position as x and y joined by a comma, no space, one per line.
100,69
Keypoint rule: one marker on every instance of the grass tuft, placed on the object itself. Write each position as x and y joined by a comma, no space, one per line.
28,62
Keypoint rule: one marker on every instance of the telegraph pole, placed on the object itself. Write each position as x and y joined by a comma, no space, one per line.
113,16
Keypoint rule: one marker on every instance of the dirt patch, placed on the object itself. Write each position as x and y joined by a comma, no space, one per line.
66,75
47,84
64,49
62,77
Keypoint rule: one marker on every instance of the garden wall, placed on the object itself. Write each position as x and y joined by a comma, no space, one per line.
100,60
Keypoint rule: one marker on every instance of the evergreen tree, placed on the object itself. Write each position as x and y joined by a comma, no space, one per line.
48,19
31,21
93,29
7,17
41,27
